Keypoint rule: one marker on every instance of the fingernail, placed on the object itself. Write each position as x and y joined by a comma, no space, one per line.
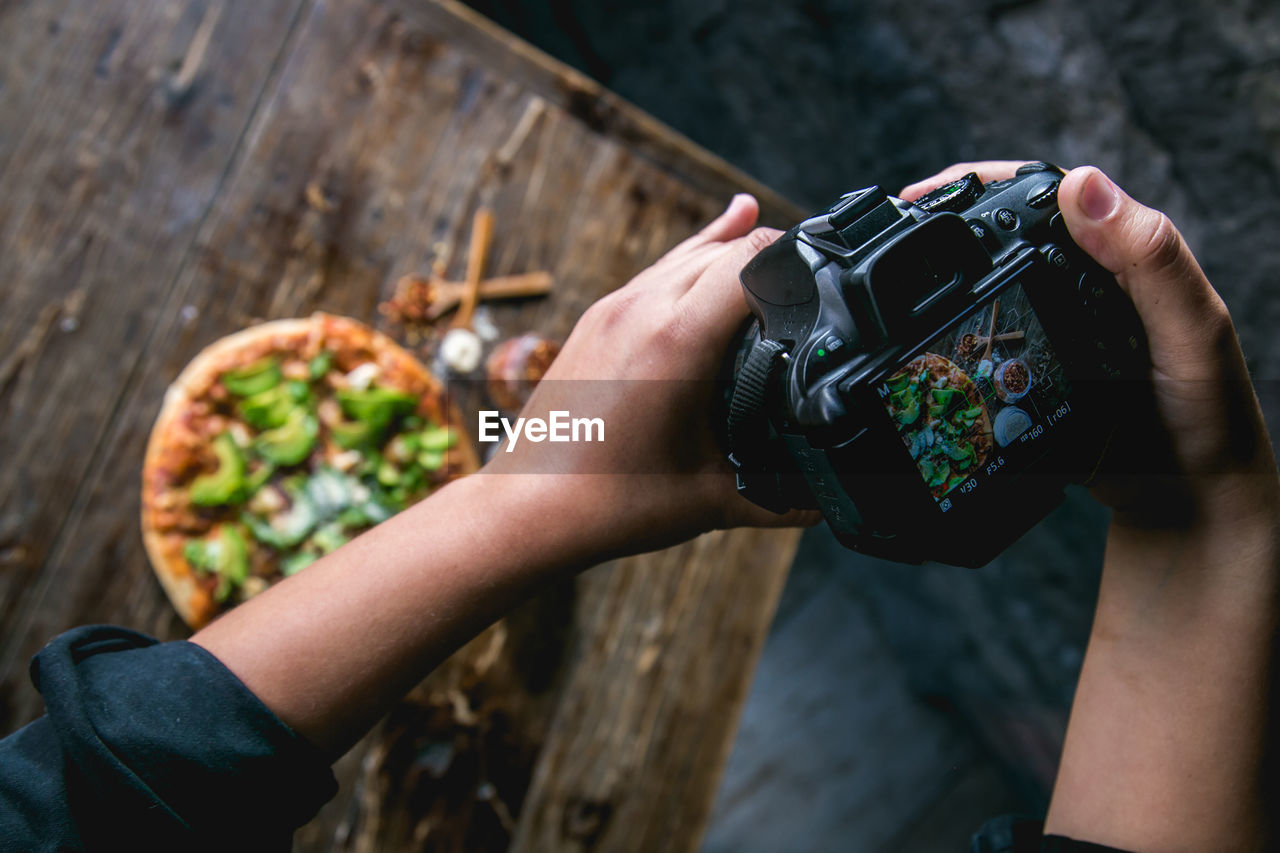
1098,197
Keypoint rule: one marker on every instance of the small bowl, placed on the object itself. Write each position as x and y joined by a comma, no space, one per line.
516,366
1012,379
1010,423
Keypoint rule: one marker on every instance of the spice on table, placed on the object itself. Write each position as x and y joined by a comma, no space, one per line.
420,300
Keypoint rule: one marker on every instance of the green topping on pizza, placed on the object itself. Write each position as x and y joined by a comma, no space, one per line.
304,467
227,484
226,554
291,442
941,420
253,378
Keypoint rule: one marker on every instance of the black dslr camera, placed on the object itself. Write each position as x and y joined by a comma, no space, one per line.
930,375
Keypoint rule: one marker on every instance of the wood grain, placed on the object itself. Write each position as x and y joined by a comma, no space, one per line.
646,721
600,707
108,170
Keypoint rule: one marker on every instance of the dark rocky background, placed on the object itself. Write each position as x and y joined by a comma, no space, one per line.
895,708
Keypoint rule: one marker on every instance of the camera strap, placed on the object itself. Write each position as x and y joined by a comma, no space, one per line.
747,424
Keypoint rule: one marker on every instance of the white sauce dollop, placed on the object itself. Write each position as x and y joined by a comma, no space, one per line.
362,376
461,350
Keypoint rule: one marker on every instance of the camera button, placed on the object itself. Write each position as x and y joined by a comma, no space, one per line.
1006,219
1043,196
984,234
1036,166
1093,290
1056,257
823,356
954,196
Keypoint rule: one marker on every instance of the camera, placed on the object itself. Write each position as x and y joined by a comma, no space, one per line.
931,375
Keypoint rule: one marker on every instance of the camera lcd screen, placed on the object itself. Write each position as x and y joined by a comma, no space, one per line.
980,400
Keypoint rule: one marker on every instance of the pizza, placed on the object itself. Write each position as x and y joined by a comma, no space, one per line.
942,420
277,445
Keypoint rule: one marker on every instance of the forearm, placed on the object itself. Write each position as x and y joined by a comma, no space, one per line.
332,648
1168,740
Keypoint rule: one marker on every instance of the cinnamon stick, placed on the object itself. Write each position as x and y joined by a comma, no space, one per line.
481,235
991,330
446,295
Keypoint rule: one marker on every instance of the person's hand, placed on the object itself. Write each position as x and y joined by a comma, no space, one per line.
1198,453
644,360
1171,740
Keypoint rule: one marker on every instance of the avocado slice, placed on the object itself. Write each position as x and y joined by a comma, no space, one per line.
941,472
291,442
253,378
431,460
320,365
233,568
352,434
258,478
388,474
376,405
227,556
271,408
267,409
947,397
439,439
295,563
227,484
330,538
910,414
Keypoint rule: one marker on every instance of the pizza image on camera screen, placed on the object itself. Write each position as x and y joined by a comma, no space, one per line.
942,419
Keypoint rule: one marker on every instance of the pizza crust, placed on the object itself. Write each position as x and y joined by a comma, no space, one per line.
180,581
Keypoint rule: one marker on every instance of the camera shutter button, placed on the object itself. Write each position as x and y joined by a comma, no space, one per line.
1036,166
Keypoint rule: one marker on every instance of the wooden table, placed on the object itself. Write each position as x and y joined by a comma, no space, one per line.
172,171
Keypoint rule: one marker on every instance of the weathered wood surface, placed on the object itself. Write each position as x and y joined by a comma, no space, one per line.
174,171
109,163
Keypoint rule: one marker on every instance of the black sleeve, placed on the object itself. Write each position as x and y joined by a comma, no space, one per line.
153,746
1018,834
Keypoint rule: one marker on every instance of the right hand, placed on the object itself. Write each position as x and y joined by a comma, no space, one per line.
1169,743
1202,455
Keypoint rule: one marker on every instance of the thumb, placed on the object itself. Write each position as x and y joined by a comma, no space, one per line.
1183,315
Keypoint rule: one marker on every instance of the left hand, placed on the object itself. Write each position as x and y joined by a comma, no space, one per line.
644,359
